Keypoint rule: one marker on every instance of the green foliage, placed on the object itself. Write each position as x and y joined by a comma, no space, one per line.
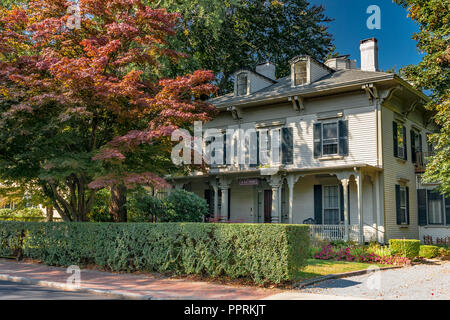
433,73
428,252
100,211
184,206
143,207
23,214
405,247
224,36
263,253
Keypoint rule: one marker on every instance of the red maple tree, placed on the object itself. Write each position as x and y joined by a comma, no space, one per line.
98,89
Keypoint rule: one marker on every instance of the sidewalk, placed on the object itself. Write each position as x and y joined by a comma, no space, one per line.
143,286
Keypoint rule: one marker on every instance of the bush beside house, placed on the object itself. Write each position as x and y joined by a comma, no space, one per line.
405,247
263,253
428,252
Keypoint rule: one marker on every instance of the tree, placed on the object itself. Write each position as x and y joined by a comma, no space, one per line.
224,36
433,74
83,109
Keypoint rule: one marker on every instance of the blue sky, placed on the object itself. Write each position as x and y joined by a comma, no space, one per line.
396,48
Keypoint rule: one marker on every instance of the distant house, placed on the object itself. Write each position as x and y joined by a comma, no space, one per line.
353,148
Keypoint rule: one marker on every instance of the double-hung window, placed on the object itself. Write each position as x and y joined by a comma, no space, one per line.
433,207
402,203
330,138
242,84
399,134
300,73
331,205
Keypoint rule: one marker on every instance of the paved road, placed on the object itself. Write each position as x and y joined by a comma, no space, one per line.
18,291
424,281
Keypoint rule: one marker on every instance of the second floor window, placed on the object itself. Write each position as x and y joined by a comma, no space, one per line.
416,146
400,150
331,138
242,84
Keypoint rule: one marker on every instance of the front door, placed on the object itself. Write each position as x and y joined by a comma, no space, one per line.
267,206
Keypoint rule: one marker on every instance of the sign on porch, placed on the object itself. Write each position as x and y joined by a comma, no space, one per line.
248,182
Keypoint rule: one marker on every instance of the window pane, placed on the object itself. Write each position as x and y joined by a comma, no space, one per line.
331,216
331,200
435,209
330,131
300,73
242,84
330,148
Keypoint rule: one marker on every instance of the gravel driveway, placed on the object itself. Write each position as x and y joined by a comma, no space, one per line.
423,281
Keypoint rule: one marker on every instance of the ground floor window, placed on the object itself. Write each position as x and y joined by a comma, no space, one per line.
433,207
402,202
331,205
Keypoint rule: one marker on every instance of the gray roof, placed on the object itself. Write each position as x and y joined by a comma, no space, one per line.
283,86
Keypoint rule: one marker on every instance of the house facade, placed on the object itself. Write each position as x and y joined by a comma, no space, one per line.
352,146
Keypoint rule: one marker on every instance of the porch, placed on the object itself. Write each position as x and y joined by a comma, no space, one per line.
343,205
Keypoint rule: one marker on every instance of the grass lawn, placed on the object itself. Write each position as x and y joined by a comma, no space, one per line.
317,268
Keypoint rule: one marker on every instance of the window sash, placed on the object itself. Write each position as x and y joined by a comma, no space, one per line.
435,208
330,138
403,207
242,84
400,140
331,205
300,73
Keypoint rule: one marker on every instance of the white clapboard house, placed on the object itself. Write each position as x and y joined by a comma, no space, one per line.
353,145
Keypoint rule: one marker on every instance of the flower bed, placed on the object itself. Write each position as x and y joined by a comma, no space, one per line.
358,254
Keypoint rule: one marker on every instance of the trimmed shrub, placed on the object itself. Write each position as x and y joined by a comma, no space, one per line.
143,207
263,253
428,252
184,206
23,214
405,247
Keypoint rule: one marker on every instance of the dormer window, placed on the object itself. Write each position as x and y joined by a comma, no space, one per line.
242,84
300,73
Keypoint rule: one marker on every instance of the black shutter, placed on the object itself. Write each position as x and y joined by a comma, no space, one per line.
343,137
405,144
229,204
287,145
419,147
318,203
422,206
407,205
317,140
447,210
397,203
413,147
225,148
341,196
394,134
253,147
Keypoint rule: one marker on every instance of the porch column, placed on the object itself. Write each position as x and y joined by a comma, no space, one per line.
344,183
224,185
291,180
358,180
275,182
378,204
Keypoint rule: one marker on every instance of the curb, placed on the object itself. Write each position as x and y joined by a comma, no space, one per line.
302,284
67,287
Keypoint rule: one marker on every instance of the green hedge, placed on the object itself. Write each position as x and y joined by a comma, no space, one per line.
405,247
264,253
428,252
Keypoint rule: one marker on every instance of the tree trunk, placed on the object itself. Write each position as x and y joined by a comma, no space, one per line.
49,213
117,203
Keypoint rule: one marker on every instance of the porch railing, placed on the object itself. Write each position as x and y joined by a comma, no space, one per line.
337,232
422,160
